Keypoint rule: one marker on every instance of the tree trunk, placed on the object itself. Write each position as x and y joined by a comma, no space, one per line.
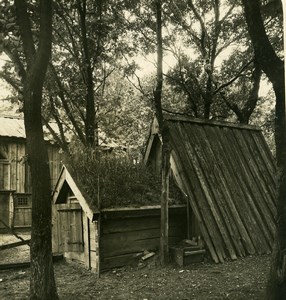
90,126
274,69
208,98
166,168
164,131
42,282
243,115
276,288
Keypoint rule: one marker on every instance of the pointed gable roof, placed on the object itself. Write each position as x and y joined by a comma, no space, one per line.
66,182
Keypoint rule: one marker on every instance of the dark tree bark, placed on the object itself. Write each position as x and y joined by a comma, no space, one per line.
88,77
164,131
273,67
243,114
42,283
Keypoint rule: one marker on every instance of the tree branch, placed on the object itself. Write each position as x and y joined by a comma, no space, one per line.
234,78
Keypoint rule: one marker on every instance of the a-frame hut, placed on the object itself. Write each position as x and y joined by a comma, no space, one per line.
227,173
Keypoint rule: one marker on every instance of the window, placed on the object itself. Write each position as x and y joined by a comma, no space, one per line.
22,201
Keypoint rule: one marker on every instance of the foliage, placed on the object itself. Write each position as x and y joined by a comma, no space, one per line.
207,39
88,43
189,78
207,30
124,115
116,180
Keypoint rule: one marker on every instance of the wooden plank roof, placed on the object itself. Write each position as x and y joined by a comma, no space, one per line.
13,127
227,172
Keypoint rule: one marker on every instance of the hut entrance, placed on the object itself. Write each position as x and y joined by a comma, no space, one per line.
70,228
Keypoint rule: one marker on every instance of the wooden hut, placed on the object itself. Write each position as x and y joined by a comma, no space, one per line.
227,173
111,237
15,179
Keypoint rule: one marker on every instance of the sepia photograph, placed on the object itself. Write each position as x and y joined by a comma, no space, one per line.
142,150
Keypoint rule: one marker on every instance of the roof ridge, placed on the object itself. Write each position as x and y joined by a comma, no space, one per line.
222,123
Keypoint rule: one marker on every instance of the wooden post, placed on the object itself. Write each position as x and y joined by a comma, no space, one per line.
88,241
98,226
164,242
188,219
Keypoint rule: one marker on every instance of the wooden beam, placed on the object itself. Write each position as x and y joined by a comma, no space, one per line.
14,245
25,264
59,184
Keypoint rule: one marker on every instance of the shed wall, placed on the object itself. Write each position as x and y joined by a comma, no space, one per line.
15,176
124,234
4,208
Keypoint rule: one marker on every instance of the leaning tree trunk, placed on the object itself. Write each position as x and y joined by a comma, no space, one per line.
273,67
42,282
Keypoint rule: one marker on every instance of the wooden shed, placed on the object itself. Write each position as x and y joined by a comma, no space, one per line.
111,237
227,173
15,179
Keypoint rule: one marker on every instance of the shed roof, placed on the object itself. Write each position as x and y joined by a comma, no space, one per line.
227,172
13,127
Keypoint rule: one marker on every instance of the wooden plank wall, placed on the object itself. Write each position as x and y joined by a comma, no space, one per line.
4,209
15,174
16,157
94,246
22,217
4,175
18,177
55,162
124,234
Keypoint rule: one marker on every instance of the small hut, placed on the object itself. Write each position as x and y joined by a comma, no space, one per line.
227,173
15,179
109,237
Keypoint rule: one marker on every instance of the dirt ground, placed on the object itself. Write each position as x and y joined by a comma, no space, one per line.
241,279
